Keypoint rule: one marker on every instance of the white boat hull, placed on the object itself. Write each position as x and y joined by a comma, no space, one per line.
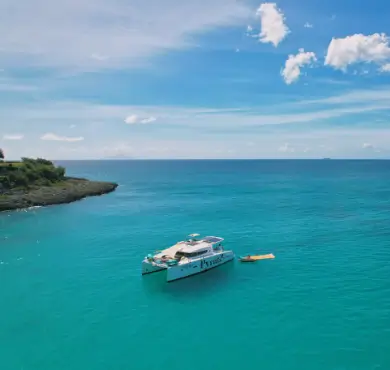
197,266
149,268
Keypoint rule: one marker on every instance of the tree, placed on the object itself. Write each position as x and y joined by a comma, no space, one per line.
1,154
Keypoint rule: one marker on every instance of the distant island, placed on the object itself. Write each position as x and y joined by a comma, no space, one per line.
38,182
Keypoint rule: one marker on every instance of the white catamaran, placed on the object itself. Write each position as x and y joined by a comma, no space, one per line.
188,257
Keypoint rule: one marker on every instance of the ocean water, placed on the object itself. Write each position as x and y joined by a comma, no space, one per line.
72,295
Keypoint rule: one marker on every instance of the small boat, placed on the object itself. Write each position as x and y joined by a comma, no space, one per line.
188,257
254,258
247,259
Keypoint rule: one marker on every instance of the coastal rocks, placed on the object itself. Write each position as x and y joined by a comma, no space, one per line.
70,190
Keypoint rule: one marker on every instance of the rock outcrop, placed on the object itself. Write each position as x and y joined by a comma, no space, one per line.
67,191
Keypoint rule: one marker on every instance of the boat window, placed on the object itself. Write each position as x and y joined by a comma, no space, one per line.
179,255
189,255
196,254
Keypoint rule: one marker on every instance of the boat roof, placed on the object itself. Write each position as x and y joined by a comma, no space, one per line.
190,247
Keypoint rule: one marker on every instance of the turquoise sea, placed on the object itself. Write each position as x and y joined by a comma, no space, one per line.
72,296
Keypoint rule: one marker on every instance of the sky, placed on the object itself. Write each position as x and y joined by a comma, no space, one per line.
157,79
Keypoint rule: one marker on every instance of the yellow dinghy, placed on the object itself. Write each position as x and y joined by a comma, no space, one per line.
254,258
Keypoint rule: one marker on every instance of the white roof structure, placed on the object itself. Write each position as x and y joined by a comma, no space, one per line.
190,246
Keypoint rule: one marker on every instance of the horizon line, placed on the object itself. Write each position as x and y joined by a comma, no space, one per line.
223,159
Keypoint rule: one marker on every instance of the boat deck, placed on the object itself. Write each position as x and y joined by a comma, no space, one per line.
171,251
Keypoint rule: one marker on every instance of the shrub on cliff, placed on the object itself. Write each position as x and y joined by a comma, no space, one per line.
18,179
44,162
30,172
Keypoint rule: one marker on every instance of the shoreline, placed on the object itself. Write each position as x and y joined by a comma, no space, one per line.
70,190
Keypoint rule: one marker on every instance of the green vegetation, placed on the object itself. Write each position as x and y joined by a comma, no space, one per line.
38,182
29,173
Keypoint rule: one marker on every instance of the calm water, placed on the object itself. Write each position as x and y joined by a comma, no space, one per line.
72,297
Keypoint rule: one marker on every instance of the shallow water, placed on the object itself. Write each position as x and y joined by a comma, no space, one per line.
72,296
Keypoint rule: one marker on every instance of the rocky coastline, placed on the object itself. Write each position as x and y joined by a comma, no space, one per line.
69,190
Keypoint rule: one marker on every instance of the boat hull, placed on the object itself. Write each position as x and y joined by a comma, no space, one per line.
150,268
198,266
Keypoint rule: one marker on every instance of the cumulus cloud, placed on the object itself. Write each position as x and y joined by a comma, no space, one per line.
357,48
53,137
294,63
131,120
13,137
385,68
134,119
370,148
273,27
308,25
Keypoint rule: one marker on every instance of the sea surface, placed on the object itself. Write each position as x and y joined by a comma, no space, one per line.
72,295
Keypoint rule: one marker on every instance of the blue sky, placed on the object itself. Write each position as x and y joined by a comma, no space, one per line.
198,79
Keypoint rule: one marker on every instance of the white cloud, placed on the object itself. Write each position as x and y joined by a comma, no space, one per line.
357,48
308,25
385,68
13,137
80,34
54,137
249,29
134,119
273,28
286,148
294,63
370,148
195,132
148,120
352,103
